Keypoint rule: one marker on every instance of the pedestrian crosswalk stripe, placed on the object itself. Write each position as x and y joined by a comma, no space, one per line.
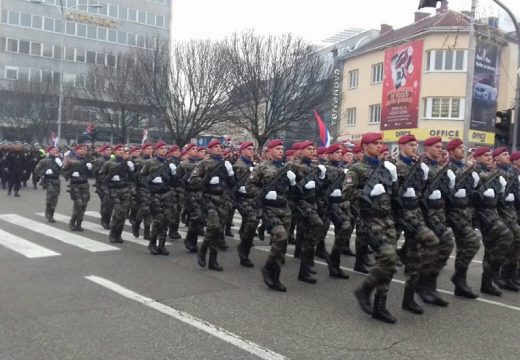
24,247
66,237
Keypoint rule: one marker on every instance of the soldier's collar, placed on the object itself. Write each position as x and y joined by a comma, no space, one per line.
194,159
306,161
506,167
216,157
246,160
277,162
427,160
118,158
483,167
458,163
371,160
406,159
106,157
161,159
335,163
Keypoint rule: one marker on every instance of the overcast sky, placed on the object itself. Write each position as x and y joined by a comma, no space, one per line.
315,20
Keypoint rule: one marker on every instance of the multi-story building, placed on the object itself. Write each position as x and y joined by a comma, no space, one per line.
94,32
413,80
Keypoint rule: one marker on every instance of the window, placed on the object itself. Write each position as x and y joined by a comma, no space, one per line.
23,74
123,13
4,16
36,49
2,43
14,18
91,32
351,116
71,3
140,41
150,20
12,45
121,37
102,34
57,25
25,20
112,35
103,10
55,77
132,15
70,28
377,73
159,20
112,10
375,114
69,54
92,9
111,60
81,30
444,108
91,57
36,75
131,39
100,59
79,81
57,52
353,76
80,55
11,72
46,76
37,22
446,60
47,50
142,17
25,47
48,24
68,79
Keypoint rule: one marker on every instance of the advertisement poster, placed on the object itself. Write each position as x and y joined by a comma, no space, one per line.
401,86
485,88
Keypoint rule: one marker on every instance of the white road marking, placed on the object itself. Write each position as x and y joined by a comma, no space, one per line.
24,247
189,319
58,234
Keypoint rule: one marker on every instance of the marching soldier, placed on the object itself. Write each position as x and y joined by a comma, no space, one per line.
211,176
515,161
459,217
246,204
143,196
105,153
370,184
135,157
49,170
158,175
496,236
77,170
16,168
174,156
116,174
271,183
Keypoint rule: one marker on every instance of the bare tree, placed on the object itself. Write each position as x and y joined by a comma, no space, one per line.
276,83
31,108
112,91
187,86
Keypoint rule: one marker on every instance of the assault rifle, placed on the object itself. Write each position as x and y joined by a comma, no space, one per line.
239,183
380,175
511,186
439,182
271,185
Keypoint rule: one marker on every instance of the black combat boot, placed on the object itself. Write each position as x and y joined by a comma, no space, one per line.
321,251
305,271
487,287
461,287
508,272
191,241
120,233
105,221
427,290
152,246
409,303
363,297
201,254
359,265
51,215
268,274
112,236
347,251
162,247
222,245
132,216
78,224
135,228
228,231
72,223
147,235
297,250
380,311
243,255
516,277
261,232
497,279
334,269
174,232
213,264
278,286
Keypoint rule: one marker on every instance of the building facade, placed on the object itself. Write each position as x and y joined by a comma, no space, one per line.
413,80
94,32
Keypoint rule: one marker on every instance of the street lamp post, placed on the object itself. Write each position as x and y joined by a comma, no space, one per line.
62,52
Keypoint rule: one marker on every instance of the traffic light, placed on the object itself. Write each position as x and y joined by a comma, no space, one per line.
503,128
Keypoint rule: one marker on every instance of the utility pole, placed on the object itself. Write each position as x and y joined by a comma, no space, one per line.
469,74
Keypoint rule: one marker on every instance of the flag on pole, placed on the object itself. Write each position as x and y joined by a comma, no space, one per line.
145,136
53,139
324,132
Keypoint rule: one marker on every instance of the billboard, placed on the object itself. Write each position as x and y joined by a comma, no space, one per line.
401,86
485,89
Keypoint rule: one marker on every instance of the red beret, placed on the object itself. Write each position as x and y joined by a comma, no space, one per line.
144,146
103,148
273,143
453,144
289,153
50,147
333,148
481,151
357,148
188,147
118,146
174,147
345,150
201,148
184,152
79,146
515,155
406,139
322,150
213,143
499,151
159,145
306,144
369,138
134,148
226,151
296,146
245,145
432,140
384,148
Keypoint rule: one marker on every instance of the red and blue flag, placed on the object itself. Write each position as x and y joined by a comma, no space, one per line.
324,132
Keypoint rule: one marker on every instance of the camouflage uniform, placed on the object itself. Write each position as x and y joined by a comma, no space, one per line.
459,218
247,208
49,170
106,204
77,170
377,230
134,204
158,175
496,236
192,205
276,214
313,223
214,200
117,175
177,195
143,199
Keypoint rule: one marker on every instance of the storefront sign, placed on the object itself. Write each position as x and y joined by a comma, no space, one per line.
91,19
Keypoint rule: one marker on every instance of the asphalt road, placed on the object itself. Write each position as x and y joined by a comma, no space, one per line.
73,297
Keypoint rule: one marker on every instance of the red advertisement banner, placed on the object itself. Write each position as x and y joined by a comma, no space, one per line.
402,86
